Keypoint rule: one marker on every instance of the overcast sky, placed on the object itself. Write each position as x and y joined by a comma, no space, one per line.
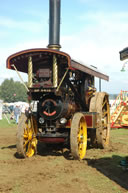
92,32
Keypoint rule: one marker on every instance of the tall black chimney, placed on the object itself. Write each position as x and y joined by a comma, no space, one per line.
54,24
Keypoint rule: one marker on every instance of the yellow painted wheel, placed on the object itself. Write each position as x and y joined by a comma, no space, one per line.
100,104
78,136
26,136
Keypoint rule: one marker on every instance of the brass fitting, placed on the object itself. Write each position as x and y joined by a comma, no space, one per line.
55,72
30,66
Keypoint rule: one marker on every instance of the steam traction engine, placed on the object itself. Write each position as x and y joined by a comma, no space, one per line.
69,110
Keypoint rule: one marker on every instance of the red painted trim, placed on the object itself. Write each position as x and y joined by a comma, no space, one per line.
68,125
71,68
52,140
8,64
89,120
49,114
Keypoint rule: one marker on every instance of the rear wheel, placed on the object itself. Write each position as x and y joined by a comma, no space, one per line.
26,136
100,104
78,136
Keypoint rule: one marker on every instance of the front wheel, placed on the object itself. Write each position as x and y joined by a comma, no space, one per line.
78,136
26,136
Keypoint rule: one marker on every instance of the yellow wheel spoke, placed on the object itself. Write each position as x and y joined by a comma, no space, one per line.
105,102
82,139
26,142
80,146
32,141
105,113
25,136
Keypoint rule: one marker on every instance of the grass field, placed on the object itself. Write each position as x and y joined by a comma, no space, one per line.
6,121
53,170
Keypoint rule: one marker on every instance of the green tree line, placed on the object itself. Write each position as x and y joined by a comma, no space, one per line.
12,91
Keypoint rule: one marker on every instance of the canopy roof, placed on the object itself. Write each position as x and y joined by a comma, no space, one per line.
40,57
124,54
